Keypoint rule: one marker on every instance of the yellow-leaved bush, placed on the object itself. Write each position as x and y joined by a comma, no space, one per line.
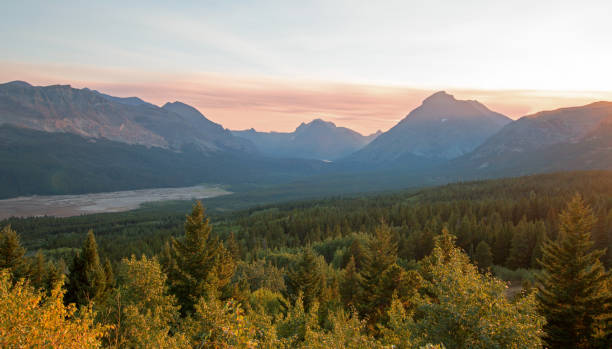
31,319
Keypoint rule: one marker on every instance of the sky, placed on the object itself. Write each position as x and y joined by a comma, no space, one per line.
271,65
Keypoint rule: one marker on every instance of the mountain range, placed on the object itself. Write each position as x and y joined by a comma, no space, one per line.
576,138
318,139
58,139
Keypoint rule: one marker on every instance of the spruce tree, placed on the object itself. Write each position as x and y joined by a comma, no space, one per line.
109,275
233,247
523,243
12,253
38,270
379,269
305,279
573,291
356,251
197,265
351,281
87,280
483,256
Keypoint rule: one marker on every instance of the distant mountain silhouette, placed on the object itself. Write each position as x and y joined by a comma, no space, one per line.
441,128
317,139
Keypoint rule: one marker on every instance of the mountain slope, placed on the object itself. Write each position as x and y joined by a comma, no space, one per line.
61,108
563,139
317,139
544,129
551,140
50,163
441,128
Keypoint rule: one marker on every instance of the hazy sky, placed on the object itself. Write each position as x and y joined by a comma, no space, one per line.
273,64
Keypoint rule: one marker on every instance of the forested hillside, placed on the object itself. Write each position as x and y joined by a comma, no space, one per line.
404,269
43,163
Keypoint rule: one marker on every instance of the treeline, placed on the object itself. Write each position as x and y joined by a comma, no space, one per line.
199,291
508,217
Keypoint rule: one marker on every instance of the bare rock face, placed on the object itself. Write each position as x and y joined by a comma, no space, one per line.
61,108
442,128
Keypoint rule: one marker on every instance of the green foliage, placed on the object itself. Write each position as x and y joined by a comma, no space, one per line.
518,275
305,280
526,242
12,253
382,279
483,257
143,313
261,274
378,269
326,273
31,319
466,309
267,302
398,331
217,324
45,274
87,280
347,332
198,266
297,323
574,290
350,285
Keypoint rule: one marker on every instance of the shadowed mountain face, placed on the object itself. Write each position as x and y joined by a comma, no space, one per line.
546,128
441,128
563,139
61,108
317,139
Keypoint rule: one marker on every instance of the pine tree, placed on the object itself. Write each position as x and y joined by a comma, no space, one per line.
501,246
541,237
483,256
233,247
87,280
351,281
523,243
38,270
109,276
305,279
12,253
197,265
356,251
574,293
380,276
